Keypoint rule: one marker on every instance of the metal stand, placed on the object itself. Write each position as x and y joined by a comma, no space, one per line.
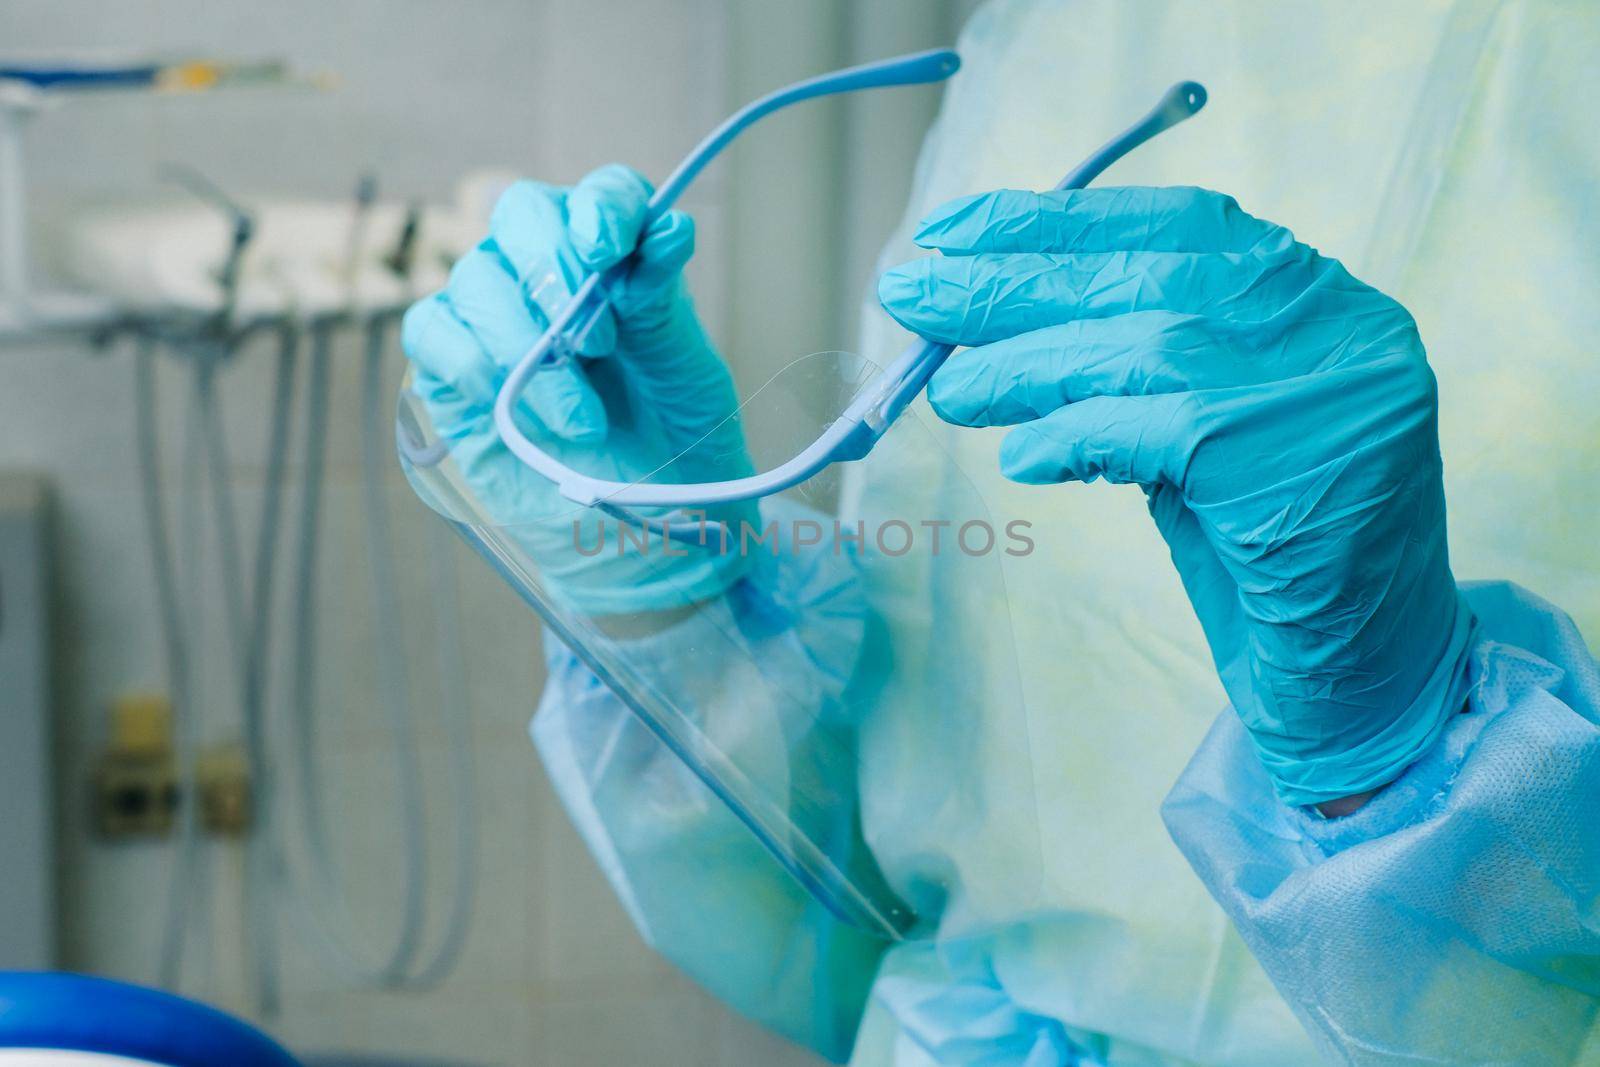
23,312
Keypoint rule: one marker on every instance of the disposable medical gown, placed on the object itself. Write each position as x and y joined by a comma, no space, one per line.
1445,153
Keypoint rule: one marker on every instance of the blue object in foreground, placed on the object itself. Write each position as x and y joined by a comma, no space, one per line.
84,1014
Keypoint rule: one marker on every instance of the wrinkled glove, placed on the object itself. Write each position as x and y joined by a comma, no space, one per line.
1280,416
645,386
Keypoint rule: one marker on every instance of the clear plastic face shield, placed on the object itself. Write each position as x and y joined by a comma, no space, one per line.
723,577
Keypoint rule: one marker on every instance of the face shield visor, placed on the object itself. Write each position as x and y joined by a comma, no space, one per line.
736,591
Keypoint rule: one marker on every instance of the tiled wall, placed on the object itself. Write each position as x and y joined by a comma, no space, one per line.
553,973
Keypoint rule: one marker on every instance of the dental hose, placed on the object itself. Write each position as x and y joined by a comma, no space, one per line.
249,627
458,739
247,633
375,452
262,859
303,664
176,650
391,659
400,967
324,938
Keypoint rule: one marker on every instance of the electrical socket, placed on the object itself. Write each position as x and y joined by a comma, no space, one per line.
136,786
226,799
135,779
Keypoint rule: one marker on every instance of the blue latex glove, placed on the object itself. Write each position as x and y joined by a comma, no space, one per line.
1280,416
649,386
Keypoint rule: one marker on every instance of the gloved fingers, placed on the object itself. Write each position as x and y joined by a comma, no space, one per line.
653,275
1206,581
455,418
606,213
486,297
469,335
670,360
1025,377
440,346
979,299
1132,218
530,228
1143,439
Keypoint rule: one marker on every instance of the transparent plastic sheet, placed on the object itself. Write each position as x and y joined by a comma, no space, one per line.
760,654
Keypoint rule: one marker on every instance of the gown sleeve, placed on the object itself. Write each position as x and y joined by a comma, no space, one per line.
698,885
1455,918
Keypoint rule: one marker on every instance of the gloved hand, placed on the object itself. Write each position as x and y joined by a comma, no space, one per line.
647,388
1280,416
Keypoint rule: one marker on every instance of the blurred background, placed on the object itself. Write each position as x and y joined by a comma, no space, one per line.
354,133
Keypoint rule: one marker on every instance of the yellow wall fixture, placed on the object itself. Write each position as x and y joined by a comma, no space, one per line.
135,779
222,775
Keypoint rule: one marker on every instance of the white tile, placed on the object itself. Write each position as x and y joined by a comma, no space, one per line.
741,1042
673,1023
587,944
482,1025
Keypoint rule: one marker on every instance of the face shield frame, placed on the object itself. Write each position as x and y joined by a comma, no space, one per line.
872,411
